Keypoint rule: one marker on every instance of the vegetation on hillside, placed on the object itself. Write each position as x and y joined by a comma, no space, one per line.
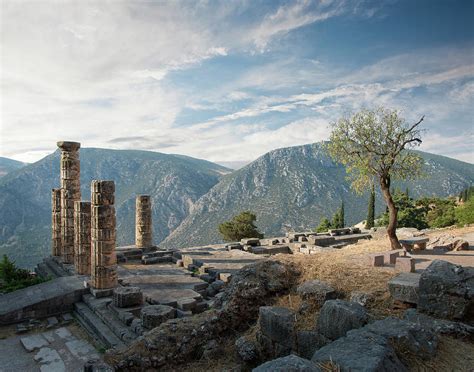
337,221
13,278
240,227
373,144
430,212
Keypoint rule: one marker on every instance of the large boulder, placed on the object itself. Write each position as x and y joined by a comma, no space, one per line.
337,317
247,350
449,242
308,342
406,335
290,363
360,351
277,334
447,291
316,291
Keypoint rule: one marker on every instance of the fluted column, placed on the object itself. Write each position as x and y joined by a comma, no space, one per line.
104,259
143,227
56,222
70,192
82,237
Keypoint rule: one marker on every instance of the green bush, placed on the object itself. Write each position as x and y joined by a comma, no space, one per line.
13,278
409,214
465,213
240,227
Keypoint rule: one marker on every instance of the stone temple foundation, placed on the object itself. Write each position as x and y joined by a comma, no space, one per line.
70,192
104,259
143,225
82,237
56,222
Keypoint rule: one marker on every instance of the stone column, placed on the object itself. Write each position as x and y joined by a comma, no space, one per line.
82,237
70,192
56,222
143,228
104,259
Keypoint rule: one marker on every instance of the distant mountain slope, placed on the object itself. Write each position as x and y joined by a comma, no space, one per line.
293,188
174,182
8,165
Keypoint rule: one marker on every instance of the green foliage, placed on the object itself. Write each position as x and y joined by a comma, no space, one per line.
439,212
374,143
409,214
13,278
324,226
465,213
371,210
466,194
240,227
336,223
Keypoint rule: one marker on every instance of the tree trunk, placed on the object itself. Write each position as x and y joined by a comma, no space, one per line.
392,213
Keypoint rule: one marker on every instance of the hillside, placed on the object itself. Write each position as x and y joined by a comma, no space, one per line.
293,188
174,182
9,165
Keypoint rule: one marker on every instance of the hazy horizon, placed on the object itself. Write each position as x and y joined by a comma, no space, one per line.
228,81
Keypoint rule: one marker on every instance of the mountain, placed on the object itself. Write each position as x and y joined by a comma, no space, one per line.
293,188
175,182
8,165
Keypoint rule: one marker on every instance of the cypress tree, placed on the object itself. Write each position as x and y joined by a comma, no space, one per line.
371,212
341,216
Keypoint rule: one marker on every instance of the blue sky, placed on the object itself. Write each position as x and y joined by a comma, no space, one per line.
228,81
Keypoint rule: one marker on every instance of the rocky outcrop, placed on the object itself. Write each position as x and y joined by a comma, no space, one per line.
448,242
447,291
180,340
290,363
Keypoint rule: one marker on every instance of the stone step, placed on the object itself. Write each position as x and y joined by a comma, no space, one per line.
100,307
55,267
96,327
44,271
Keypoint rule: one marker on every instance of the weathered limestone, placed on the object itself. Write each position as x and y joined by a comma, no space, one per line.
127,296
153,315
82,237
70,192
56,222
104,260
143,225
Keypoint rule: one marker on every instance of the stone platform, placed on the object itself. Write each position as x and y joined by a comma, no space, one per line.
42,300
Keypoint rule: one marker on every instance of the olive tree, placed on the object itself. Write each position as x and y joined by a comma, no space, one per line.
373,145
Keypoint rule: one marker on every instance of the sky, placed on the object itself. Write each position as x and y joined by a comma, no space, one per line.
228,81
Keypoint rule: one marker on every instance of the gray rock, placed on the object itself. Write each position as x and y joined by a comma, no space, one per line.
447,291
441,326
308,342
277,323
317,291
33,342
360,351
362,298
337,317
218,285
153,315
404,287
247,350
127,296
421,341
97,365
290,363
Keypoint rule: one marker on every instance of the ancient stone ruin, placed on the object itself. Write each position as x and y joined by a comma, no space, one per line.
104,259
82,237
70,192
143,225
56,222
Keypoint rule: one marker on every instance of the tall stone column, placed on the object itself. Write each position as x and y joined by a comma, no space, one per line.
70,192
104,259
82,237
143,227
56,222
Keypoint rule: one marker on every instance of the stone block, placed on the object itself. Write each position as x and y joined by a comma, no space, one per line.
247,350
290,363
277,323
447,291
405,264
187,304
376,260
153,315
404,287
316,291
308,342
250,241
337,317
33,342
127,296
